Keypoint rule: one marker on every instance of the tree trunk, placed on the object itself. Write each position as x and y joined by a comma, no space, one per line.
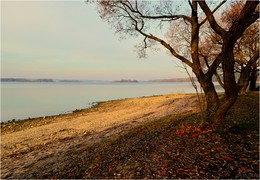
253,79
216,109
230,86
243,80
248,73
219,117
212,99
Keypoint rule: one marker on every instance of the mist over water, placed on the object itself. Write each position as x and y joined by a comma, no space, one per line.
21,100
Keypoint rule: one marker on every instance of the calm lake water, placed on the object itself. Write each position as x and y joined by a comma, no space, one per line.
21,100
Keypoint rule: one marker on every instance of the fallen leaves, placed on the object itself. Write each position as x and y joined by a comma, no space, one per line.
164,165
199,153
227,158
243,159
245,170
176,150
163,172
182,170
189,131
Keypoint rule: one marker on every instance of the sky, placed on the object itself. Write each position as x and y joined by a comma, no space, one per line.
68,40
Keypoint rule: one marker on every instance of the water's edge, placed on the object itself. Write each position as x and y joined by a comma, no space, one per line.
68,113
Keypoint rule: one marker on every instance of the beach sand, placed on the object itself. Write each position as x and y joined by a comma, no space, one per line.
36,147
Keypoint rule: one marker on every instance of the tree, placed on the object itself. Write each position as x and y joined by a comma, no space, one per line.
246,49
134,17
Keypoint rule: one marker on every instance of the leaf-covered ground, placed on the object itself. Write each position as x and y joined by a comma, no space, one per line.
176,147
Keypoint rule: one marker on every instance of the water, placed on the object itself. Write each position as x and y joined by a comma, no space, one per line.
21,100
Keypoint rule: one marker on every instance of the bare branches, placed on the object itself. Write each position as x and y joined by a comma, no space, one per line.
133,17
166,45
170,17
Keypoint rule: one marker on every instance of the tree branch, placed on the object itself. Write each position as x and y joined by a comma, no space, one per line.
162,17
223,2
173,52
254,58
219,30
246,18
150,36
219,79
170,17
214,65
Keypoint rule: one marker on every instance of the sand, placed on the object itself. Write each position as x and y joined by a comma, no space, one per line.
33,148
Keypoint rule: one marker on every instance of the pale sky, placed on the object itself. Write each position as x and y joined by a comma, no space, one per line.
68,40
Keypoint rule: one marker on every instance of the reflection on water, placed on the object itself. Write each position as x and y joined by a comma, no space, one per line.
23,100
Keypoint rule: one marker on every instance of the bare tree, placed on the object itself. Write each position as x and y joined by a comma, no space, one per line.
134,17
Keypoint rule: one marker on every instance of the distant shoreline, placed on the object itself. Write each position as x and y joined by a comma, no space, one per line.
35,80
67,80
126,80
25,80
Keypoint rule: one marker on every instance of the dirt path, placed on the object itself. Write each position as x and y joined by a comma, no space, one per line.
39,147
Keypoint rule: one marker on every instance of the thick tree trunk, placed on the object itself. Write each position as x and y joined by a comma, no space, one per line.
212,99
230,86
216,109
225,105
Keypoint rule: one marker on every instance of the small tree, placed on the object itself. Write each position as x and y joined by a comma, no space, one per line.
133,17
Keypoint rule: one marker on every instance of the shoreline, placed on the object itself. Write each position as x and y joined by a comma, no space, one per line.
36,146
93,105
71,112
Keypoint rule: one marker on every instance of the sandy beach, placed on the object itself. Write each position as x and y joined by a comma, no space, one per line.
32,148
